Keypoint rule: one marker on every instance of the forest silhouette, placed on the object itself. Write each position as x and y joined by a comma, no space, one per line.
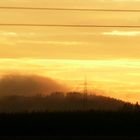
27,107
63,102
20,93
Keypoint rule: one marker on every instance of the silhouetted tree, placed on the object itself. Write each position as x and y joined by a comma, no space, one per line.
137,107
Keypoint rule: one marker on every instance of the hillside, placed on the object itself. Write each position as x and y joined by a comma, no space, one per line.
58,101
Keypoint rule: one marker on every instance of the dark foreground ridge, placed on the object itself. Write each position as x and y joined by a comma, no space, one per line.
90,123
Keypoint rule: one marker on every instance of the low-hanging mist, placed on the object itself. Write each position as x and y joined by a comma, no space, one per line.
25,85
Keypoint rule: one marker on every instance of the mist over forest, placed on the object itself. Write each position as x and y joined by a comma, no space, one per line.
20,93
28,85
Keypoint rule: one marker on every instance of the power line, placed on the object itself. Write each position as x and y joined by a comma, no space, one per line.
71,25
71,9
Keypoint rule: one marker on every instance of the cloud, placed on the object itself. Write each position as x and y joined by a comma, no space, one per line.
28,85
122,33
126,0
9,34
52,42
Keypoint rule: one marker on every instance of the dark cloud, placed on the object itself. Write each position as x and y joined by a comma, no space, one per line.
28,85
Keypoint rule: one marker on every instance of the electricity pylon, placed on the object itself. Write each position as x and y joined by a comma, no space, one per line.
85,94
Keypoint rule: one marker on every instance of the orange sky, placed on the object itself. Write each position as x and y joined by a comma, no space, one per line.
108,56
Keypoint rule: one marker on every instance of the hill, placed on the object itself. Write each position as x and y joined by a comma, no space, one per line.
58,101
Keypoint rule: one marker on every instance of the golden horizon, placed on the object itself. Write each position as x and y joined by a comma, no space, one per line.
109,57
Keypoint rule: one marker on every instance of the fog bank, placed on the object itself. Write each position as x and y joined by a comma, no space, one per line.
28,85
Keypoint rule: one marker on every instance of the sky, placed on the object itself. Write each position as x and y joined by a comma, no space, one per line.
108,57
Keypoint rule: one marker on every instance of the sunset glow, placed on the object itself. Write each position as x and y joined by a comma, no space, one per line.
108,57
